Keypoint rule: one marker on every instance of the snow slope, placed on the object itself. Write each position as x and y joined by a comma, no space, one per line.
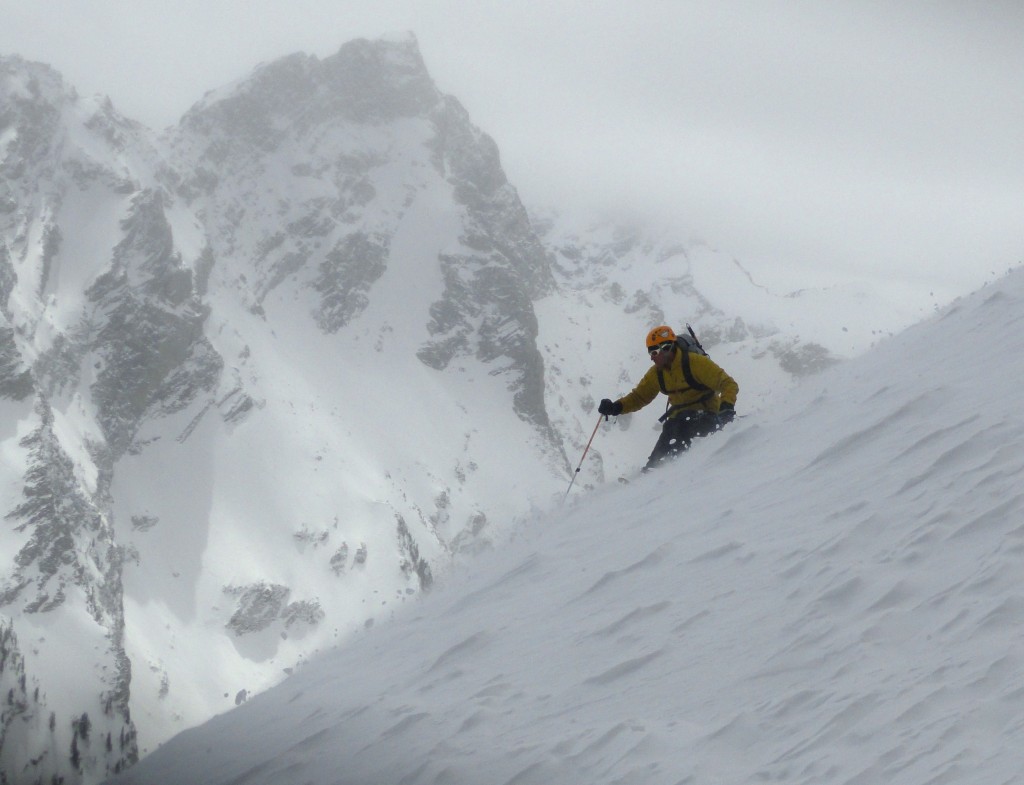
828,592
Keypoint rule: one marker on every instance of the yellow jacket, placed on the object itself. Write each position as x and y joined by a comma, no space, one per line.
719,387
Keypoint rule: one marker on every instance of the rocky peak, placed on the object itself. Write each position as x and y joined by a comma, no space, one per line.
366,82
376,82
306,172
44,123
32,97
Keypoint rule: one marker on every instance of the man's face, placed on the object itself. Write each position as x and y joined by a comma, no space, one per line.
662,354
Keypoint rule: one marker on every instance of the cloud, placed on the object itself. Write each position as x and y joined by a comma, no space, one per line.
867,136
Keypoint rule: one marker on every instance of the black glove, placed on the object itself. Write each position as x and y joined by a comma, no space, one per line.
609,407
726,412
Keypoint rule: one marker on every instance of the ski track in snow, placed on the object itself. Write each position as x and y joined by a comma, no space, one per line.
828,593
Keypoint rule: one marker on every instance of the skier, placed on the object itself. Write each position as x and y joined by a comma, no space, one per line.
701,396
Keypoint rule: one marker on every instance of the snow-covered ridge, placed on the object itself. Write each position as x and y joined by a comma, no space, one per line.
826,593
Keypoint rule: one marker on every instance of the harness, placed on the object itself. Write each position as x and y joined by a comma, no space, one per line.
691,384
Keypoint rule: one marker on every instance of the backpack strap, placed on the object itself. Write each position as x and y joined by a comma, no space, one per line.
691,382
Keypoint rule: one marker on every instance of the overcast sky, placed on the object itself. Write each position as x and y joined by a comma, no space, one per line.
871,138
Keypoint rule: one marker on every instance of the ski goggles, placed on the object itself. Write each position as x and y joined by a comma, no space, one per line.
661,348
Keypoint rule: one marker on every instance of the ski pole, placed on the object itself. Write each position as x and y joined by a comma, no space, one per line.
585,450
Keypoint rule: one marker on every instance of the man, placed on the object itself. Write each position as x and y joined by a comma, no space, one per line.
701,396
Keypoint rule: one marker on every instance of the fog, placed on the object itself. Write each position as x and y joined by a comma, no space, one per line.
868,140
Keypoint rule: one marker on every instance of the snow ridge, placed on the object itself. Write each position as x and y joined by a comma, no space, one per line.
826,593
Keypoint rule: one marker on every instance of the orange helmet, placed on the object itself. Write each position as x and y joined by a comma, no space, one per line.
660,335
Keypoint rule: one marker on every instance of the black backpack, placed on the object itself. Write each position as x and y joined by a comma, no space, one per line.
689,342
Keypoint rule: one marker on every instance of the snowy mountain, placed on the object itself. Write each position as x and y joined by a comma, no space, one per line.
265,377
827,592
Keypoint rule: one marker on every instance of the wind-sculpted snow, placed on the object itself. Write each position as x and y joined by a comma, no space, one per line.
826,593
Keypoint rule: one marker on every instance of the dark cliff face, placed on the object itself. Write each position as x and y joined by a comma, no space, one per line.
487,307
69,556
15,378
150,352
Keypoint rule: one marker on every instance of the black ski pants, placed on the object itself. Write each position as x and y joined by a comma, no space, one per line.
678,432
